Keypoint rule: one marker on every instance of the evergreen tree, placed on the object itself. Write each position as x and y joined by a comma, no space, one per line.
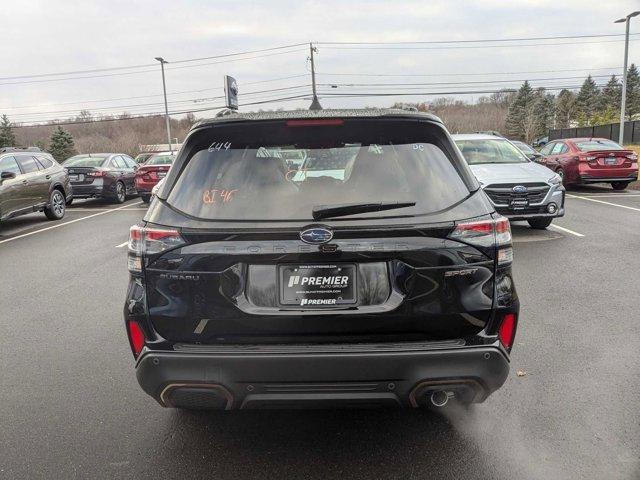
518,112
633,92
588,100
7,137
565,108
61,146
530,113
611,94
543,113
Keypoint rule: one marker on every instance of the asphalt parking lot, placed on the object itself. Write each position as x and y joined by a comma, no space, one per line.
71,406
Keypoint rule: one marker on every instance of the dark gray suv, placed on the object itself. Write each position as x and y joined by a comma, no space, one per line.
31,181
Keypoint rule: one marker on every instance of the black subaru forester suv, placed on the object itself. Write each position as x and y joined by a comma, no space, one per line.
373,273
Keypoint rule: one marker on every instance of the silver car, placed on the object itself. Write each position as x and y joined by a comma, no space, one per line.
518,188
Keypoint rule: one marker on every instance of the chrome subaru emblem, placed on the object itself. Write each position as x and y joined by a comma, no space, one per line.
316,235
519,189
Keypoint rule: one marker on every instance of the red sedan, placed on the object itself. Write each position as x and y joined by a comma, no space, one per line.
151,172
591,160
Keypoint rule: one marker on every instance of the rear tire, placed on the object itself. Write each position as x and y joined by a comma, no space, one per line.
619,185
561,173
145,198
121,193
540,223
57,206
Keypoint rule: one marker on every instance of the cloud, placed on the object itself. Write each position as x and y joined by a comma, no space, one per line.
68,35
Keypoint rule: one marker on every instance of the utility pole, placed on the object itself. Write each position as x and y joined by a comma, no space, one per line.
315,104
623,99
166,107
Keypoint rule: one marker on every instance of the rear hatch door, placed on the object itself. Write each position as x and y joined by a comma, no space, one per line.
256,266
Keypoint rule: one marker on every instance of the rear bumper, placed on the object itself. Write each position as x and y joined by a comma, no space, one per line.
237,377
89,191
585,179
146,187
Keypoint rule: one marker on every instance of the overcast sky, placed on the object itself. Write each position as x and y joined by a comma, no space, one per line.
43,37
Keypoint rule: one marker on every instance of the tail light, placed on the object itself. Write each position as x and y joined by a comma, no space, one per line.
487,233
507,331
632,156
145,241
97,173
136,337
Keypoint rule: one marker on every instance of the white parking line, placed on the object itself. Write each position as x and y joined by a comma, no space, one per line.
124,244
613,195
566,230
606,203
58,225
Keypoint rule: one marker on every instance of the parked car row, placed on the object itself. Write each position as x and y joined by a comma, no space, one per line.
32,180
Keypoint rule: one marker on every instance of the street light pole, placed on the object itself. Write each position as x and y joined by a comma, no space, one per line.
166,107
623,98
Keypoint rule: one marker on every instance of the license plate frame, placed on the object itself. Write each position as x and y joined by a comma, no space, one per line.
162,174
610,161
294,291
74,177
519,203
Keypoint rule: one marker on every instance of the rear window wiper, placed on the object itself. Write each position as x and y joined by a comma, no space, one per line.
328,211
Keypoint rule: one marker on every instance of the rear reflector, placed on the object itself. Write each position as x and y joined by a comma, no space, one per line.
505,256
507,330
136,337
315,123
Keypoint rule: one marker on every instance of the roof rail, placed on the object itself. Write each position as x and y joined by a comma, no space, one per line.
19,149
491,132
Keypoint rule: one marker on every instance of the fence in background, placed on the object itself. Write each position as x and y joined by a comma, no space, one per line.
610,131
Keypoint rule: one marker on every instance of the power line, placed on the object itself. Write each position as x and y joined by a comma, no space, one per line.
463,74
455,83
372,50
281,47
456,92
54,123
121,108
130,67
520,39
48,80
83,102
240,53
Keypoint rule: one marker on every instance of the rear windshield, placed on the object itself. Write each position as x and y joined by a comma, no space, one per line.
595,145
161,160
250,173
84,162
483,151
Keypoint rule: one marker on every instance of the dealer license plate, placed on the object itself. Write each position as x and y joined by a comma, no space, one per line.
318,285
